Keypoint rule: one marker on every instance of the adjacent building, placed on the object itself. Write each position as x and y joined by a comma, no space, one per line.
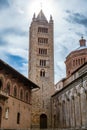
69,104
15,98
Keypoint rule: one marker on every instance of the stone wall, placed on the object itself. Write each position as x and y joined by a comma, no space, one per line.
12,104
69,106
41,99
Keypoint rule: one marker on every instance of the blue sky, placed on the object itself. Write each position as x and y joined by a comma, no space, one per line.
70,23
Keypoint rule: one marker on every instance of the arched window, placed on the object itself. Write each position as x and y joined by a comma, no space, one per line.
8,88
26,96
84,60
18,118
21,94
42,73
15,91
79,61
1,84
6,112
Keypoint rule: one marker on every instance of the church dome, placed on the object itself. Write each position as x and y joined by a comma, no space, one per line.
76,58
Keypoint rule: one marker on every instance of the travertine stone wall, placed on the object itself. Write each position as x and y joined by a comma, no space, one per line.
41,99
69,106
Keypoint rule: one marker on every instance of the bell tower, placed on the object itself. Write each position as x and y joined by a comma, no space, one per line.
41,69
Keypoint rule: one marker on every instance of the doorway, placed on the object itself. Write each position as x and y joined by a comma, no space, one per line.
0,116
43,121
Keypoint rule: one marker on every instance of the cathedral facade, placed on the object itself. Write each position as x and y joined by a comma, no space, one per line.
69,103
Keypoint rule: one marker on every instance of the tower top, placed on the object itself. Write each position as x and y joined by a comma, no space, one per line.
41,17
82,42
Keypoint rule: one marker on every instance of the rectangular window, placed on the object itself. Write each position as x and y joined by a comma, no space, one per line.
18,118
43,30
42,40
6,113
42,51
42,62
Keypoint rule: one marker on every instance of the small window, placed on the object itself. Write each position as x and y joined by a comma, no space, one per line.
21,94
42,51
79,61
84,60
18,118
1,84
26,96
42,62
15,91
6,113
8,88
42,40
42,73
43,30
73,62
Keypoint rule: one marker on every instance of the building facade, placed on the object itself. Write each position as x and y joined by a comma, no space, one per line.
76,58
41,69
15,98
69,104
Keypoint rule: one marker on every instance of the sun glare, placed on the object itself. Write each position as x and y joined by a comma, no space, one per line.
47,7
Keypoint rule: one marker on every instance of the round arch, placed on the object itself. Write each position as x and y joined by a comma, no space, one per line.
43,121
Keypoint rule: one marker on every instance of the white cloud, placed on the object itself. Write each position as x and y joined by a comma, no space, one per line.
19,52
66,35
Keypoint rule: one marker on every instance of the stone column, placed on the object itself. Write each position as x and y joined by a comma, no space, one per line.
78,110
67,115
73,120
83,108
61,115
64,121
58,115
59,123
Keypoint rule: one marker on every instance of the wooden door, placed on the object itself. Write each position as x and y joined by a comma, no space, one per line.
43,121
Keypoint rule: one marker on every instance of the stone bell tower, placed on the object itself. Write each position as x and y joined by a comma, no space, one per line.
41,69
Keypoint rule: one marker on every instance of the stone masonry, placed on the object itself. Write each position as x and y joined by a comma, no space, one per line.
69,103
41,69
